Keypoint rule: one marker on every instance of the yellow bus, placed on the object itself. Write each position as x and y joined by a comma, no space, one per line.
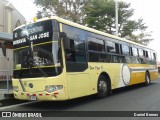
55,59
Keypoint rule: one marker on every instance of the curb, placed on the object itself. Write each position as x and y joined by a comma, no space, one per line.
11,106
8,95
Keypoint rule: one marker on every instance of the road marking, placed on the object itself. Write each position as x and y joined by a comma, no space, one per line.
11,106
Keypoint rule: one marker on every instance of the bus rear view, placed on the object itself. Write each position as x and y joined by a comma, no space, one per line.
37,62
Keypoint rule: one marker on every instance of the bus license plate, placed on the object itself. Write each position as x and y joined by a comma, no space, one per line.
33,97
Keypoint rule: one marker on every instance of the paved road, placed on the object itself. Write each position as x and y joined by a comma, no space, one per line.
135,98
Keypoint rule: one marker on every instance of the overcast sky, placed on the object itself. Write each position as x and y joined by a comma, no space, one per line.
148,10
145,9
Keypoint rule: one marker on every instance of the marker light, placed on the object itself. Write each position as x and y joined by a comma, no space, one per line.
35,19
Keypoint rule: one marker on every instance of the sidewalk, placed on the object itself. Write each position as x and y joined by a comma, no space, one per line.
3,88
2,92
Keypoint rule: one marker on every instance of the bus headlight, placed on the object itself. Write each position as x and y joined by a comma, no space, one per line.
52,88
15,88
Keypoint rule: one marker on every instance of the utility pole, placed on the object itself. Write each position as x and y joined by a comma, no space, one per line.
116,16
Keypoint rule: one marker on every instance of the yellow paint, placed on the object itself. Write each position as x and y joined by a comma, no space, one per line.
36,45
35,19
79,84
18,66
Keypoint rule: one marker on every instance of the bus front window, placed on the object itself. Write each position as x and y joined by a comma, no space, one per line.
43,59
43,56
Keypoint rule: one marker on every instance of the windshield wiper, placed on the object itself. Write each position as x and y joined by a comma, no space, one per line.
21,72
31,59
30,62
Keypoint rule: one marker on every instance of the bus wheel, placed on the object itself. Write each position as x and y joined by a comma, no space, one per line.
102,87
147,79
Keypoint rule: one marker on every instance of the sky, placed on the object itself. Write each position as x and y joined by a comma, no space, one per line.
148,11
26,7
145,9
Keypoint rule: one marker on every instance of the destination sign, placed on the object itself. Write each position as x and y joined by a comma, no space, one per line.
31,38
36,32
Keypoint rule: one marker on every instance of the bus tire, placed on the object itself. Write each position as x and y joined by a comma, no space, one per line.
102,87
147,79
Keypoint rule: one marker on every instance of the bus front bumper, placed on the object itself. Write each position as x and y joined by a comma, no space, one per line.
40,96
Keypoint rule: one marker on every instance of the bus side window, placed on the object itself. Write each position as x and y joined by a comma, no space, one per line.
142,61
118,59
122,59
111,47
128,59
108,58
125,50
80,54
70,53
115,59
154,55
135,60
76,52
134,51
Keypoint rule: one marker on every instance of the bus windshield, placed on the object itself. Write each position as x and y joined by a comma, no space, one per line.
45,53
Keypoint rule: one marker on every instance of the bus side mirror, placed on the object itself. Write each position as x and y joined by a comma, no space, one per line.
63,35
3,49
66,40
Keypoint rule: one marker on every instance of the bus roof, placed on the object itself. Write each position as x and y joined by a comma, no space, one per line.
87,29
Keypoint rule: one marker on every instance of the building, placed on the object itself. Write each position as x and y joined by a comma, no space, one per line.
10,18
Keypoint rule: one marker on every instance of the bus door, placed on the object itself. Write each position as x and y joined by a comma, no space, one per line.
77,69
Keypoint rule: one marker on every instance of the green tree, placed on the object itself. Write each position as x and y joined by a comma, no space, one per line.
100,15
68,9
